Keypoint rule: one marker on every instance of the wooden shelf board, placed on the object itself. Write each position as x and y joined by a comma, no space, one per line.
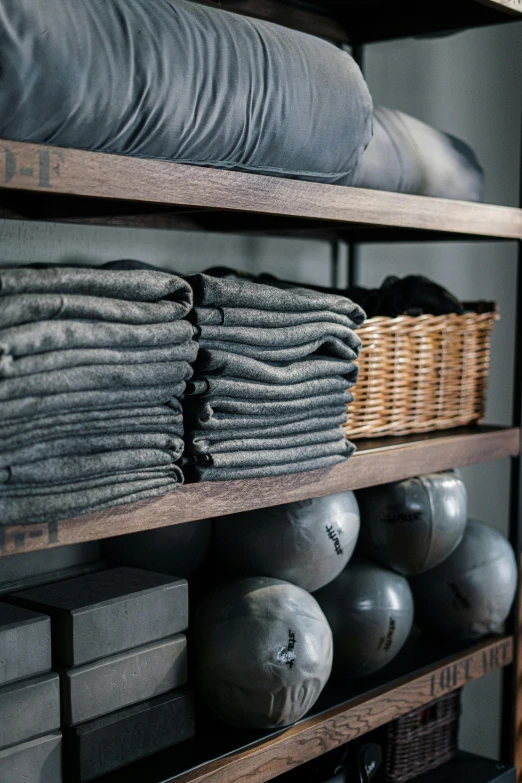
423,671
377,461
41,172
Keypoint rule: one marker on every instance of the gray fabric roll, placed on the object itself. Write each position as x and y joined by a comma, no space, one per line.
325,345
11,367
143,285
82,467
279,296
202,445
408,156
59,335
277,456
20,309
90,444
183,82
233,365
283,337
212,387
24,407
75,380
199,473
207,410
247,316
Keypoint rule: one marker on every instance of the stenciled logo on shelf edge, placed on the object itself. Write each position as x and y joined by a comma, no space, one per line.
458,674
44,169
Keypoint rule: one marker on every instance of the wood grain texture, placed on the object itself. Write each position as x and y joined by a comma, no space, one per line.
41,169
321,733
377,462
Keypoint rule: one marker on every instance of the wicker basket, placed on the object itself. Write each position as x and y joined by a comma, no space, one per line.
421,740
419,374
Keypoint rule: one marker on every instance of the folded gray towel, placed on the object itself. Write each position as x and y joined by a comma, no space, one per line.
137,285
198,473
20,309
59,335
278,296
76,380
211,387
25,407
11,367
225,427
90,444
324,345
247,316
202,445
233,365
278,456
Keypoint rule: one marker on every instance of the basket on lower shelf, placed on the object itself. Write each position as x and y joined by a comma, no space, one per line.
422,740
422,373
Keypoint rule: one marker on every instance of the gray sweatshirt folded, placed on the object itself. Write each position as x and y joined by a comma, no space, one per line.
247,316
26,308
59,335
202,445
199,473
225,427
280,297
76,380
250,390
138,285
324,345
224,363
277,456
11,367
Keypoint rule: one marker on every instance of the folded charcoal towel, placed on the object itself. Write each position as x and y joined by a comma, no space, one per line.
46,336
11,367
247,316
212,387
76,380
225,428
72,500
231,365
277,456
199,473
279,296
324,345
90,444
22,408
283,337
20,309
202,445
143,285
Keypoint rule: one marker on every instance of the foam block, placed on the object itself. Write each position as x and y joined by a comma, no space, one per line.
99,746
32,564
28,582
29,708
25,643
37,761
104,686
101,614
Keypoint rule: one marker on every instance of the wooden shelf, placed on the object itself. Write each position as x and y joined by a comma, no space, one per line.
377,461
52,183
423,671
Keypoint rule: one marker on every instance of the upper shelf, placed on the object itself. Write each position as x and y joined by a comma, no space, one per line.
366,21
377,461
53,183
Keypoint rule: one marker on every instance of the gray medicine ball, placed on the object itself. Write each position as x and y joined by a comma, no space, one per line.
307,543
370,612
176,550
263,650
469,594
413,525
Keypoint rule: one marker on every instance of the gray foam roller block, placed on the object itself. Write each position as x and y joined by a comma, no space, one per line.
29,708
99,746
121,680
104,613
32,564
25,643
37,761
28,582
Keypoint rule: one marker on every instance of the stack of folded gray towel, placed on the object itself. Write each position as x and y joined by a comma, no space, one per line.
272,379
93,363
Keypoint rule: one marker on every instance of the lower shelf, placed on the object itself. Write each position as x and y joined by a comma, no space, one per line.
377,461
423,671
467,768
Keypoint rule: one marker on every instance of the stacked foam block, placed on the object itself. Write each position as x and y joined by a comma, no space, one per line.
122,660
30,740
